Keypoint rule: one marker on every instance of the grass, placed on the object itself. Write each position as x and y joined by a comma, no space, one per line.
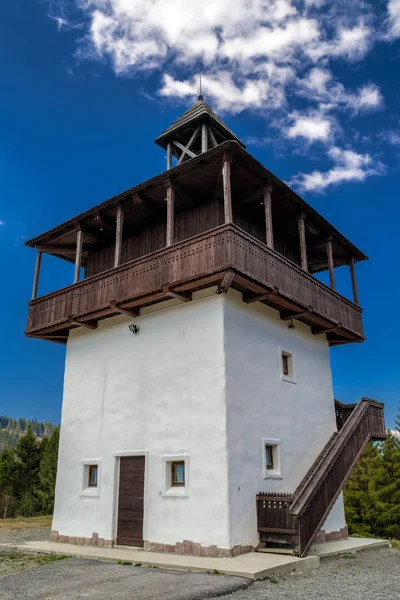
395,544
21,523
12,561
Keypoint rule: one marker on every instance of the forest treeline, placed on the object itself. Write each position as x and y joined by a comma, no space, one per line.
28,475
12,429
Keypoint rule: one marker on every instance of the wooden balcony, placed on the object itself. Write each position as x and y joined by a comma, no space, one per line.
225,256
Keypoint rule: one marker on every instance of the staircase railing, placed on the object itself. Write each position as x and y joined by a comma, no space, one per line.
314,501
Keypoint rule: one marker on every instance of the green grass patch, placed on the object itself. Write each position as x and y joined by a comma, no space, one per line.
20,523
395,544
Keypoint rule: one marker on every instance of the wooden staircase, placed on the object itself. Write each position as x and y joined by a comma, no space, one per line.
290,522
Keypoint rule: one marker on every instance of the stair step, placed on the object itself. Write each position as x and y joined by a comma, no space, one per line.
289,551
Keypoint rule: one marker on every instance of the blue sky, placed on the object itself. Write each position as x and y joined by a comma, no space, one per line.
311,86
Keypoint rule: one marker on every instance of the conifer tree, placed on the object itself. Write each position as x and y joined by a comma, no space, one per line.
48,471
28,455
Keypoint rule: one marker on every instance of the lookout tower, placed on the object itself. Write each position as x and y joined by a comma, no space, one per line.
197,358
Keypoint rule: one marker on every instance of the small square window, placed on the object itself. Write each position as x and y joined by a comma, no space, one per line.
287,367
93,475
178,473
269,457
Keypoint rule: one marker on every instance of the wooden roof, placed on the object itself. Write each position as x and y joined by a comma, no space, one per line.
196,180
199,112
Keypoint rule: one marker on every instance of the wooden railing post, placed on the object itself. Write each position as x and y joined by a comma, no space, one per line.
118,235
268,215
169,157
78,255
170,215
36,275
204,140
331,265
354,280
303,244
226,177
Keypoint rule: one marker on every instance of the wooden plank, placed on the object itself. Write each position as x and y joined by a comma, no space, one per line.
204,138
170,215
131,501
184,296
36,276
169,157
226,177
303,244
124,311
331,265
354,280
85,324
184,149
250,297
226,282
289,315
268,216
212,136
118,235
78,257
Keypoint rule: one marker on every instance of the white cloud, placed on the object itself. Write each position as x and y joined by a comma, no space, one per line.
347,166
394,18
2,222
312,128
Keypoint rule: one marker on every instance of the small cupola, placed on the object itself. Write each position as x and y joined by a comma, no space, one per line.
199,129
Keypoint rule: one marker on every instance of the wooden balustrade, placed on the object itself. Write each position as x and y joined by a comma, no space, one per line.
142,282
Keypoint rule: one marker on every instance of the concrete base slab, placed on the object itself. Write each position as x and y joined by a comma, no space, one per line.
252,566
351,545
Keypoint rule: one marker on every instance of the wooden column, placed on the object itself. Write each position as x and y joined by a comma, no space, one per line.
303,245
170,215
329,252
354,280
226,178
78,256
36,275
204,143
169,157
268,215
118,235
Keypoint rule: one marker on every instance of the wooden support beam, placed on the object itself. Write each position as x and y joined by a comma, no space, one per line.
354,280
250,297
331,264
183,296
105,221
36,276
184,149
332,329
170,215
169,157
226,177
124,311
70,249
86,325
288,315
226,282
212,137
190,144
118,235
268,215
303,245
204,138
78,256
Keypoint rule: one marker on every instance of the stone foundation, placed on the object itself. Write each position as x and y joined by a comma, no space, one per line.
186,547
322,537
81,541
195,549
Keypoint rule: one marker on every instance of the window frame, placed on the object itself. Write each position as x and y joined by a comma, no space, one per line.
87,490
174,465
276,471
178,490
92,468
286,362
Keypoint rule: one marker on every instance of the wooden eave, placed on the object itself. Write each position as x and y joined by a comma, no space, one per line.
202,185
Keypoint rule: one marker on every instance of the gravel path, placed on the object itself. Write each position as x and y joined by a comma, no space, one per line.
367,575
24,535
74,579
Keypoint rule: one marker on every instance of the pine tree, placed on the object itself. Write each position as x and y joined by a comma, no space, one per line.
48,472
397,421
7,482
28,455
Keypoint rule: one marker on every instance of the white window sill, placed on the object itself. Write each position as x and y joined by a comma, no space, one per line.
288,379
176,493
272,475
90,493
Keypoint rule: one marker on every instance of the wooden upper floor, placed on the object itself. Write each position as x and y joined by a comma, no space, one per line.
220,218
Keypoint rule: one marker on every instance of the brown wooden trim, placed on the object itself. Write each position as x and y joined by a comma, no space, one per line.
337,327
124,311
268,216
183,296
170,215
226,282
250,297
329,252
226,178
169,157
36,276
276,530
78,257
85,324
303,244
118,235
289,315
354,280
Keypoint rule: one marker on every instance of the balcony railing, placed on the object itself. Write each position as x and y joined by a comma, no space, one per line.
185,265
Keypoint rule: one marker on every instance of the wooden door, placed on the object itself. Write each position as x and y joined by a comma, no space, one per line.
130,501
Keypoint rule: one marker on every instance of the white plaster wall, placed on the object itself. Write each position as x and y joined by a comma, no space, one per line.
162,391
261,405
